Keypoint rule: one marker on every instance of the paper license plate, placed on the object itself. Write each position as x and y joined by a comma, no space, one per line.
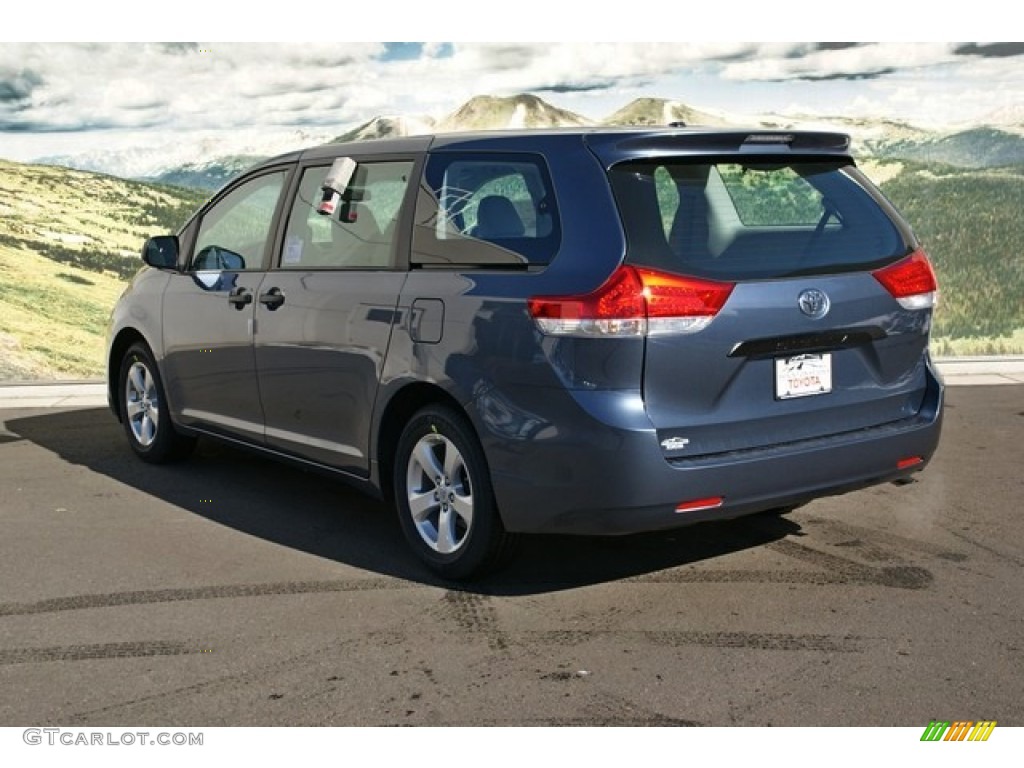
802,376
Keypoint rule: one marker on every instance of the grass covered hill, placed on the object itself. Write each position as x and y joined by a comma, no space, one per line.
69,241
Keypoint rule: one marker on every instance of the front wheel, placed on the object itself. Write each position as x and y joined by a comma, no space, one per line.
444,496
144,410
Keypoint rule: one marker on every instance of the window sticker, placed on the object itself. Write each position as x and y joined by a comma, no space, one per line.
293,249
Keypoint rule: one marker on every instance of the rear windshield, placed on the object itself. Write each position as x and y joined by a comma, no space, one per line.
754,218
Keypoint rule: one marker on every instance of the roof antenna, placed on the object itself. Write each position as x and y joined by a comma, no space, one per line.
677,124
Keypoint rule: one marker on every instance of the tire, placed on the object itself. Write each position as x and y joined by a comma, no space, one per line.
144,411
444,496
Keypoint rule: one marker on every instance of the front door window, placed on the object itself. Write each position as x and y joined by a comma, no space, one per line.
233,234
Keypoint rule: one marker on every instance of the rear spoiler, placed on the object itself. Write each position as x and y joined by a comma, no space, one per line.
613,148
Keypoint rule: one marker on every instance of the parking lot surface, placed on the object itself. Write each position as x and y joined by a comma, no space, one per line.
232,590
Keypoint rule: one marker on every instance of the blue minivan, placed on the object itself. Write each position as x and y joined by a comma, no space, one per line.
597,331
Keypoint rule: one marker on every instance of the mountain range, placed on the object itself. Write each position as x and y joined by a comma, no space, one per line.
205,160
212,161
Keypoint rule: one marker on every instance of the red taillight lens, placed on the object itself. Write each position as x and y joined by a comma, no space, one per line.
911,281
633,302
615,309
696,505
674,296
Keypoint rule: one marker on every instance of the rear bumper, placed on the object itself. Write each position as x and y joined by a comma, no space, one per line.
600,469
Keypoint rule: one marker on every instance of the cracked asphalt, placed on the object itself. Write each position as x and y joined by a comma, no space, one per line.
231,590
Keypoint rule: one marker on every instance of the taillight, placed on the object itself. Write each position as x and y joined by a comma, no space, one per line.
633,302
911,281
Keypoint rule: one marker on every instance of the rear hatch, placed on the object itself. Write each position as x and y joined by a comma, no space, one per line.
786,300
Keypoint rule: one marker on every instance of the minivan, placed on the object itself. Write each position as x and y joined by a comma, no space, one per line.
590,331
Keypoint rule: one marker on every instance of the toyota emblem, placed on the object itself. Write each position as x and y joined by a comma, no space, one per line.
813,303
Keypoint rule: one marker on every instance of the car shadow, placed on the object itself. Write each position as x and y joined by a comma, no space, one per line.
321,515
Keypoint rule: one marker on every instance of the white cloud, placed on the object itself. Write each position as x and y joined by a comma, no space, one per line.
206,86
861,61
211,85
179,89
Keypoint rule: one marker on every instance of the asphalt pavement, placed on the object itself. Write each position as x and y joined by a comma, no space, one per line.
232,590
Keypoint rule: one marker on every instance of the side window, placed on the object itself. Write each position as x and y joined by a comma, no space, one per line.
486,209
233,233
361,234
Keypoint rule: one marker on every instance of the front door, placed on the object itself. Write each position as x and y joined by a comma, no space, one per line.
210,311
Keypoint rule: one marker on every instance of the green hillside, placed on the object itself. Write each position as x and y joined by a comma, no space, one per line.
969,223
69,241
974,148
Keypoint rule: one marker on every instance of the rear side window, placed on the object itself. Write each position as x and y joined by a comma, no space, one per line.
754,219
484,209
361,234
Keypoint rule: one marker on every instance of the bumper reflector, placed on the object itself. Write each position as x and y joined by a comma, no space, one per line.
910,461
698,504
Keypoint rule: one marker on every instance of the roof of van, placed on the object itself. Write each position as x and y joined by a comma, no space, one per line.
611,144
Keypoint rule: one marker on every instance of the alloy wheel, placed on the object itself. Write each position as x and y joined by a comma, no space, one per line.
440,493
142,404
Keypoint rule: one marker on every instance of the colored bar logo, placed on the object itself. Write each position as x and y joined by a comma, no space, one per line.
959,730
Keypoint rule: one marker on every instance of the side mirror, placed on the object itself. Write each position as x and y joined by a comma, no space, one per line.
161,252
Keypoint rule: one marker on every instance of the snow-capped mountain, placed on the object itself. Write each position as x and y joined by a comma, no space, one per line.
483,113
648,111
383,126
212,174
155,161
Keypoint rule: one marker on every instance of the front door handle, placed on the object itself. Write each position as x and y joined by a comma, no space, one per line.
272,299
239,297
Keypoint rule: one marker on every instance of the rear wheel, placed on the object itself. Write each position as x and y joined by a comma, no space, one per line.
444,496
144,410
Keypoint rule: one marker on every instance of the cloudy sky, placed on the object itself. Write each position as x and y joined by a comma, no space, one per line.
74,98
